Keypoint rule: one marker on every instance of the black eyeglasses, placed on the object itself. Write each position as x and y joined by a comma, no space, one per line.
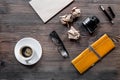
58,42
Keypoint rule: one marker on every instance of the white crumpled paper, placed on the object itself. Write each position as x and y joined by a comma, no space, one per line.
73,33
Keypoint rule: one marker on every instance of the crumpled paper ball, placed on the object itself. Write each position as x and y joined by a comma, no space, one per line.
68,18
65,19
76,12
73,34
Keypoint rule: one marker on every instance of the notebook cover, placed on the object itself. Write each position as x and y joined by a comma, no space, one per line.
46,9
88,57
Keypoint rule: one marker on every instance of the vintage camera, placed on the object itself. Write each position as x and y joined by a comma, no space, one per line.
90,23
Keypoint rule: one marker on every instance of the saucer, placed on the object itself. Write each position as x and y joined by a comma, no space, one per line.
32,43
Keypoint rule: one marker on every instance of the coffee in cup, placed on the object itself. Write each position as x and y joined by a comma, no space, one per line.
26,52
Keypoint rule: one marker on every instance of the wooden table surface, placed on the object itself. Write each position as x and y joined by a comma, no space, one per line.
18,20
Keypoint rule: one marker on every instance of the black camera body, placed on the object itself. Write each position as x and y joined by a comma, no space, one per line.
90,23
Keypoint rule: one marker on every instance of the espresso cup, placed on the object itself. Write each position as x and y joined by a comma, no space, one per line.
27,53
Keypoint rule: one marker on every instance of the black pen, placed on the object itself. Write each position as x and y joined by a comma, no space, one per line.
107,15
111,12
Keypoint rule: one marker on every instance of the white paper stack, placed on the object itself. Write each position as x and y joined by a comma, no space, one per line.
46,9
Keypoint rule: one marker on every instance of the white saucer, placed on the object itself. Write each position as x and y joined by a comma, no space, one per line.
32,43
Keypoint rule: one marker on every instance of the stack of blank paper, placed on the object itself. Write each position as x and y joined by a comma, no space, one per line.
46,9
93,53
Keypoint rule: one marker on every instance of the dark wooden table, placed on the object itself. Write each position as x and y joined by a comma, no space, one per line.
18,20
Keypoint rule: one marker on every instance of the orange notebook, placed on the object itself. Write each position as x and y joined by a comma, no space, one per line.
93,53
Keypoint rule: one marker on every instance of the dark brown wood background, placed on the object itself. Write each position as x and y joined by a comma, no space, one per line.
18,20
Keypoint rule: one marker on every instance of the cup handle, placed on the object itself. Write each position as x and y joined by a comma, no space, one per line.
27,61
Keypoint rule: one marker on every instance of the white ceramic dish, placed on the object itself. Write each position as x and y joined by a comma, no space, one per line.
32,43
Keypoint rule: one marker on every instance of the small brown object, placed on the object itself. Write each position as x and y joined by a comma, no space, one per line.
68,18
73,33
65,19
76,12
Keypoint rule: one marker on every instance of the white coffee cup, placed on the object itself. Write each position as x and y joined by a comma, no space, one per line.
26,53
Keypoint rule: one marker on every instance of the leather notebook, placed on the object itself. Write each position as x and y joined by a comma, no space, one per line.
93,53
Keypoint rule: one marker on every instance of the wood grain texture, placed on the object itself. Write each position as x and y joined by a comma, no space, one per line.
18,20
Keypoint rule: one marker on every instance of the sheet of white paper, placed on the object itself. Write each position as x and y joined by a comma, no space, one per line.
46,9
